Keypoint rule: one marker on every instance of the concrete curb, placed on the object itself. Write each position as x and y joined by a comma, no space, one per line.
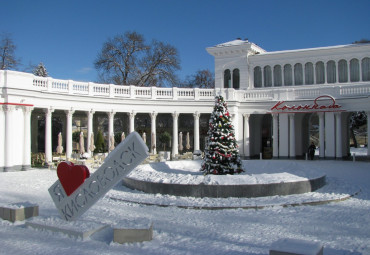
225,191
255,207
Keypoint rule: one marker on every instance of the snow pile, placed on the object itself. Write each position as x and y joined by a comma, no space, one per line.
256,172
343,227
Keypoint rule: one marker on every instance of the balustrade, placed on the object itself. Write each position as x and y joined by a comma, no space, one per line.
80,88
273,93
60,85
143,92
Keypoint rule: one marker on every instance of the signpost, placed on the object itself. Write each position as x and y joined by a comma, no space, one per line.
119,163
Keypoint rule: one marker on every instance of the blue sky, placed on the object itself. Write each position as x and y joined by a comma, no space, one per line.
67,35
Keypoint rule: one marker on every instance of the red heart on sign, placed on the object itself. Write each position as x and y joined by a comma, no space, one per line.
71,176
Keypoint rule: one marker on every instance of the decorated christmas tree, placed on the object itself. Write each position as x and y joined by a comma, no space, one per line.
221,152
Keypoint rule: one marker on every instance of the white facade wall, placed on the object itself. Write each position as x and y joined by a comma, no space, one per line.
20,90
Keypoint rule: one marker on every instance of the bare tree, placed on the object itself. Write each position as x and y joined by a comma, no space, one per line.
201,79
126,59
7,53
158,65
117,61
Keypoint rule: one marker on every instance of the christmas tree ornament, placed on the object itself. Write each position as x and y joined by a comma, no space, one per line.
221,153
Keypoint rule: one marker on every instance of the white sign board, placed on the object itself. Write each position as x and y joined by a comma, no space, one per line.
119,163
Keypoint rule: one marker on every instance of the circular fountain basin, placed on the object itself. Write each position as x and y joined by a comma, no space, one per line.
261,178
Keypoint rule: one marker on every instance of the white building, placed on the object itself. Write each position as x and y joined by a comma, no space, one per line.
273,97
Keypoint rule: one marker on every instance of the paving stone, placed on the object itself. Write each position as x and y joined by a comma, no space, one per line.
18,211
129,231
296,247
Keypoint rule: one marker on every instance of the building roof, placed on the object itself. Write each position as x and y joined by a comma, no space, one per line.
235,47
233,43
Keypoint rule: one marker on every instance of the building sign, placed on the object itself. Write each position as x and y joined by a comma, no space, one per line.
320,104
73,201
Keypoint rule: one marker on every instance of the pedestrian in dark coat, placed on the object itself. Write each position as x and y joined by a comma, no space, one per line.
311,150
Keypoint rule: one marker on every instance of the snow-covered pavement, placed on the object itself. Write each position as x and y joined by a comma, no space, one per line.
342,227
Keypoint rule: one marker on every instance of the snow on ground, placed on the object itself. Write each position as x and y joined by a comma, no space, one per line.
187,172
342,227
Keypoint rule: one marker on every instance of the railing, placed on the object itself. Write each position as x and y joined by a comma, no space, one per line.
274,93
93,89
31,82
164,93
305,92
80,87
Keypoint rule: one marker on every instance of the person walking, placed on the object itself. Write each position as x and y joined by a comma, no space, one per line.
311,150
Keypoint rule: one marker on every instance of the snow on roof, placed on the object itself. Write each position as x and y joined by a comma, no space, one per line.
233,43
313,49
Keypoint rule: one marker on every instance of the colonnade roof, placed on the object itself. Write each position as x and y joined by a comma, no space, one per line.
237,46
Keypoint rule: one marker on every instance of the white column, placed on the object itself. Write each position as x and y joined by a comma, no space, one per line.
338,132
291,136
132,121
196,131
275,135
246,135
368,132
322,134
69,114
175,138
90,116
329,135
27,137
48,149
348,71
251,75
8,145
153,117
110,127
283,136
272,77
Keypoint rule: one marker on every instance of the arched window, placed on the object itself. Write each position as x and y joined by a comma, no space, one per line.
354,69
267,76
320,73
277,76
236,79
365,65
257,77
308,68
331,72
343,70
298,74
227,79
288,75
